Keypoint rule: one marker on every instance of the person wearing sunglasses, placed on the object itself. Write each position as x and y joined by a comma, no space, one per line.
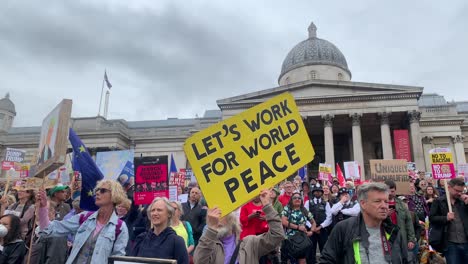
99,234
296,218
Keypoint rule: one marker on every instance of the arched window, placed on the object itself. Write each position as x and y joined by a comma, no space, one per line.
340,76
313,75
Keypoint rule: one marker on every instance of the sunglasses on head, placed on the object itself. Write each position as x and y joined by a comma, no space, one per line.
102,190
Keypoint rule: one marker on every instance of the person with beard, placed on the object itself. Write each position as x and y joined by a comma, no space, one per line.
370,235
220,243
161,241
452,226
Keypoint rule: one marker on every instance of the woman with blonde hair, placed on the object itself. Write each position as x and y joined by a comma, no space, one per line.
182,228
161,241
99,234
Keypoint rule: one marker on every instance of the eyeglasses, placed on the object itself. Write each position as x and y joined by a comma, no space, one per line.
296,198
102,190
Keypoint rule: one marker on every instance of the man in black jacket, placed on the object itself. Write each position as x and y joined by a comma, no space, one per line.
452,228
194,213
370,235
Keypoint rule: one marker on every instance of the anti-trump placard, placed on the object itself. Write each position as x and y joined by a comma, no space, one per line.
238,157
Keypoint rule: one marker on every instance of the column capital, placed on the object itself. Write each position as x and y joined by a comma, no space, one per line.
356,117
458,139
328,120
384,117
414,116
427,140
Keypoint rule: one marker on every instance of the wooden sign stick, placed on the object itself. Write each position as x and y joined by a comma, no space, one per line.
36,213
7,186
447,194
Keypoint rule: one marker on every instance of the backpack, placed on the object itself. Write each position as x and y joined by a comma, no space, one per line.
118,228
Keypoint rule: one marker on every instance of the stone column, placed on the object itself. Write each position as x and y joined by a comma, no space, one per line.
329,145
416,144
357,142
427,146
386,135
459,149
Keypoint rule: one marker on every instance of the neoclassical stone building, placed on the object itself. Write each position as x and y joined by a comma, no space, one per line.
346,120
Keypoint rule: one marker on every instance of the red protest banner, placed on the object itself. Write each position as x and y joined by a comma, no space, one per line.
402,144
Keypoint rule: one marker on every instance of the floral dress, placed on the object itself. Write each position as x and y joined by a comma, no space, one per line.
296,217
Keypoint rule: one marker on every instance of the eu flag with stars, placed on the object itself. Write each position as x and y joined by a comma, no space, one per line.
90,173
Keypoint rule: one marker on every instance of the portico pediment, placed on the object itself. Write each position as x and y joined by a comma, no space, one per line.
322,91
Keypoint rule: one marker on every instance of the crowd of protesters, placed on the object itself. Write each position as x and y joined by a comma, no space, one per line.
298,221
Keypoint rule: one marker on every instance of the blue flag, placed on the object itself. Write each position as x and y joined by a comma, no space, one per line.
90,173
173,166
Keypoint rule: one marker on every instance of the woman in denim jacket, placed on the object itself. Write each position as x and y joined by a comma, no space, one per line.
97,235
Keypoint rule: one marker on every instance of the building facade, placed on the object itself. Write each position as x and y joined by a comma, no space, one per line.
346,120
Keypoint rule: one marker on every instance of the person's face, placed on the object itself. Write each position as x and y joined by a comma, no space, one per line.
272,194
392,193
348,186
376,205
179,190
455,191
6,221
423,185
297,200
195,194
412,189
176,210
256,199
103,195
313,182
306,188
430,190
60,195
326,190
159,214
22,194
121,210
335,189
288,188
317,194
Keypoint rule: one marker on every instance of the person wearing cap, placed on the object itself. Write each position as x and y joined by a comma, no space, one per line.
58,195
274,194
321,211
345,207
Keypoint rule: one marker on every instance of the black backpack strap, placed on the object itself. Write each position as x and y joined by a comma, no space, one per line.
236,252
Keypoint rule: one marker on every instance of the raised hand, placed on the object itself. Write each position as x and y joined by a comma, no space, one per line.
265,197
212,217
41,198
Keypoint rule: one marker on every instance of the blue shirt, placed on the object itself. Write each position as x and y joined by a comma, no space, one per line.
106,244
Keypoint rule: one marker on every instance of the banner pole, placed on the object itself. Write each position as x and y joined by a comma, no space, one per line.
449,203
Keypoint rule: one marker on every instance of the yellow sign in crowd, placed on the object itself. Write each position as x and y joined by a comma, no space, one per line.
236,158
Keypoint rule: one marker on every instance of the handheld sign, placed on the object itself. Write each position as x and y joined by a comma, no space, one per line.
54,140
238,157
442,165
325,171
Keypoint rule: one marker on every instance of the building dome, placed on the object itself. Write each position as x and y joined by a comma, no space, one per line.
312,52
7,105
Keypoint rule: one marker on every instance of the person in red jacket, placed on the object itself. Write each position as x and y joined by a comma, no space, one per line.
288,191
253,219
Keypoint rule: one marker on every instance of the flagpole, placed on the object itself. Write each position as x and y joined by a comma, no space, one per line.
102,92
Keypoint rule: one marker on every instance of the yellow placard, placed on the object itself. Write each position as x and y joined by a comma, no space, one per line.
238,157
441,157
325,168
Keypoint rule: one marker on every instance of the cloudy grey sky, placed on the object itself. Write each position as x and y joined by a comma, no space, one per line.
176,58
